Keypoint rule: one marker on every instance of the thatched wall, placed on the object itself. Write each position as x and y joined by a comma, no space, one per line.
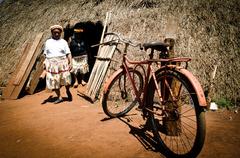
206,30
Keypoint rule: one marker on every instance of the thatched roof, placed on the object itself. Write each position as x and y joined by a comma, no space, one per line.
207,31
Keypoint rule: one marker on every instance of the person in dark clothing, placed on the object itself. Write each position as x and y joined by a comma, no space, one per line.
92,33
79,50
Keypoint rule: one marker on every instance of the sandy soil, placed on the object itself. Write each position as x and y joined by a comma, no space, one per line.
79,129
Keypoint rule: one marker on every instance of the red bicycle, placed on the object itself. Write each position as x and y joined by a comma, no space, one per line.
168,95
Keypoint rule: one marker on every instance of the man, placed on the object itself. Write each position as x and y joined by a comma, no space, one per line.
58,63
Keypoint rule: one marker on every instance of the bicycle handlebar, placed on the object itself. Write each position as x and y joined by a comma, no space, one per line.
159,46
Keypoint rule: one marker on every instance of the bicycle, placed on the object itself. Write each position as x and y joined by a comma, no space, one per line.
170,97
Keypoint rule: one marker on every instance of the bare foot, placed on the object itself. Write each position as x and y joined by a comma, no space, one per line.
83,83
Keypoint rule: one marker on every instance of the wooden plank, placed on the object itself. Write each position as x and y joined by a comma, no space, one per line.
94,73
23,66
34,80
10,86
100,70
37,70
23,72
29,66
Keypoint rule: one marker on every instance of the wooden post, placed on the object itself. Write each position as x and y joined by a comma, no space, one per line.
171,125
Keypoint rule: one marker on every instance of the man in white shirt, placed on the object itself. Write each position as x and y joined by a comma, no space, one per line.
58,63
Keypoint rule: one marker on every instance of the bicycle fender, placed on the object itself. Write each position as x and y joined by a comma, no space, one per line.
195,83
109,80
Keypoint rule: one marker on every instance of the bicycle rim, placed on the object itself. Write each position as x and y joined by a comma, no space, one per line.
120,97
178,122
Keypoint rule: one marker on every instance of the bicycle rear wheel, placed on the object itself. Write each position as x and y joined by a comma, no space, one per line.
178,121
120,98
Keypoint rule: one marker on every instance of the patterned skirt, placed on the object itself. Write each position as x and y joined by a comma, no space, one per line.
57,72
80,64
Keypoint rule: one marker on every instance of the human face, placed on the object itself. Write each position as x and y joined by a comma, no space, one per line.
78,35
56,34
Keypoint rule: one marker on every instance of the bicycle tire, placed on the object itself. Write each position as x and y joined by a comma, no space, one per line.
181,133
120,98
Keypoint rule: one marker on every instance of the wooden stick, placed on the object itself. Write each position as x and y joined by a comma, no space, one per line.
210,88
108,15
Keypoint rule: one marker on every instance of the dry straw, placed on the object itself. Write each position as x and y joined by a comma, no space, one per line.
207,31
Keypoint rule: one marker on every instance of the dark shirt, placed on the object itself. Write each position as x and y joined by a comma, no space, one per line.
78,47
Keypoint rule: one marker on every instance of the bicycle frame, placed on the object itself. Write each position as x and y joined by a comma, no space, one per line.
150,72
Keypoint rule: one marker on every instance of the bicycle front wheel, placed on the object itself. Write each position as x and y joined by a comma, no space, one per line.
178,121
120,97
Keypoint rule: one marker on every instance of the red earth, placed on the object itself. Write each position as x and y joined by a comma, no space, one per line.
32,128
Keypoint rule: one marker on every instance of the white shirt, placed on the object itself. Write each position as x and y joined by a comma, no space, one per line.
56,48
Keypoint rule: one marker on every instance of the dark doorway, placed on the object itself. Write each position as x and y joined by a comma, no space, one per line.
92,35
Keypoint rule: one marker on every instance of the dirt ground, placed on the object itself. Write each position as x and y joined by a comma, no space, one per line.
32,128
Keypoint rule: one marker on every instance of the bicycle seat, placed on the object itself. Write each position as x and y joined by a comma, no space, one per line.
159,46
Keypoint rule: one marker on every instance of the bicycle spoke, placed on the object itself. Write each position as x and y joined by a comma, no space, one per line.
178,127
184,127
189,119
183,144
120,97
188,139
170,90
187,111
